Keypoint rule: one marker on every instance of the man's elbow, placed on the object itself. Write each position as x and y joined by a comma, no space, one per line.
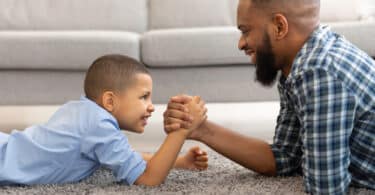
269,170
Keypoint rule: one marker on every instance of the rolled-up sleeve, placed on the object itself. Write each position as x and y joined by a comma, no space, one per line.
327,112
286,145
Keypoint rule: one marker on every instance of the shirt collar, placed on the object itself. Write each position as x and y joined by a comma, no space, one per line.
320,35
102,110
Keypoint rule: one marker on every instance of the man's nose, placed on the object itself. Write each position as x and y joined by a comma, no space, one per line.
242,43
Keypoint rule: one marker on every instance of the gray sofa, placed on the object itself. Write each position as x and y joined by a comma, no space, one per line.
190,46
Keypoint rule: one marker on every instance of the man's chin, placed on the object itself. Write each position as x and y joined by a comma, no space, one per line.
267,81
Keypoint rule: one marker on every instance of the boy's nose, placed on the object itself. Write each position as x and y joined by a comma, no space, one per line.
151,108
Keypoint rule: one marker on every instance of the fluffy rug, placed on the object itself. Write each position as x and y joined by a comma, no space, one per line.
222,177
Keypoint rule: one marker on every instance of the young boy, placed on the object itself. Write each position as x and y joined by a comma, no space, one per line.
84,135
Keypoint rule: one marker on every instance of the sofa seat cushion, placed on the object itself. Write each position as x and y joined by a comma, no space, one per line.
192,47
62,49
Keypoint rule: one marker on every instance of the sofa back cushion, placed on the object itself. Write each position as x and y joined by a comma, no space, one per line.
340,10
165,14
130,15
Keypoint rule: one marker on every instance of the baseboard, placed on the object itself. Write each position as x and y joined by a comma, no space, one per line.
251,119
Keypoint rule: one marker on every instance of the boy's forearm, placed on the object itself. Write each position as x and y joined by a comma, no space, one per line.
179,163
163,160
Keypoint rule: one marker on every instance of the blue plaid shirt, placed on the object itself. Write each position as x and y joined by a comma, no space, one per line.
326,125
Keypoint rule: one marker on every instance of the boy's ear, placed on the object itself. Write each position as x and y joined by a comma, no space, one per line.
108,101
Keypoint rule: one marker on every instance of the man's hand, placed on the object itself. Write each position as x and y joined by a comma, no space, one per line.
194,159
184,112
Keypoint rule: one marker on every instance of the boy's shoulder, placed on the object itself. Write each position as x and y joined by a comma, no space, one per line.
83,110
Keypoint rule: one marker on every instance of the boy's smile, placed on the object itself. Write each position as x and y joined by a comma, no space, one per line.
133,106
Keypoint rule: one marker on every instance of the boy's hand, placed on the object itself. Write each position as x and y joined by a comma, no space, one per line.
197,111
194,159
185,112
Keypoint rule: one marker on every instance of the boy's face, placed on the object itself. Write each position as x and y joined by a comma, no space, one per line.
134,105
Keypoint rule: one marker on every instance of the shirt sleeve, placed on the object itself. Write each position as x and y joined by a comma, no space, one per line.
107,145
327,111
286,145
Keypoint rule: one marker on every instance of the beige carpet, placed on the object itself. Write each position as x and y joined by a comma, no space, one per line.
222,177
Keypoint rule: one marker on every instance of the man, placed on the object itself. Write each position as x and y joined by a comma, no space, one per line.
326,125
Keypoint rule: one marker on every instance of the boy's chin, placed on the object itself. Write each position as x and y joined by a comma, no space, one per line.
137,130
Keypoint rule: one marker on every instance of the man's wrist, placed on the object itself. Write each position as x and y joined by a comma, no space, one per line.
201,132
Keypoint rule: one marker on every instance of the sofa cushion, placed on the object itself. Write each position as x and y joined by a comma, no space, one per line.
360,34
348,10
339,10
62,49
189,13
192,47
233,4
130,15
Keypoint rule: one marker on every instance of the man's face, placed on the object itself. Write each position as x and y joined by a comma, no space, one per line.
255,41
134,105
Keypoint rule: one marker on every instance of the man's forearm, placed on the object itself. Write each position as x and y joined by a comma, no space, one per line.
249,152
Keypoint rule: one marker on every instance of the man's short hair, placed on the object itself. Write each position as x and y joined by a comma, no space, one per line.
111,73
267,3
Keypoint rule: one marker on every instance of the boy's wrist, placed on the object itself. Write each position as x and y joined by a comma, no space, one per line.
180,162
181,132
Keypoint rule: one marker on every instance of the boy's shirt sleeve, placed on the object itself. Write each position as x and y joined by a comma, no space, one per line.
105,143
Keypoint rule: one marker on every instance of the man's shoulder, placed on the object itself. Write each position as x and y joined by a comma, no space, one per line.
335,55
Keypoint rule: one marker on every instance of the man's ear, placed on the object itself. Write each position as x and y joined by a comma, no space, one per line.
281,26
108,101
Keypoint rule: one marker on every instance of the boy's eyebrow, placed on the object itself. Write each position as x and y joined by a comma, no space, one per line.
146,92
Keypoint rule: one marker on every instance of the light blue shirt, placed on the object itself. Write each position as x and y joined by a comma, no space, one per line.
78,139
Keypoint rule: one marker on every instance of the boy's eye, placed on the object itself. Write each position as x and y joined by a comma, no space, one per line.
245,32
144,97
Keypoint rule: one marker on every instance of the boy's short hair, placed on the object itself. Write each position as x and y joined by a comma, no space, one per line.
111,73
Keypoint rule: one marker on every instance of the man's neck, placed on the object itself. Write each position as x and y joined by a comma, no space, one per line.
297,43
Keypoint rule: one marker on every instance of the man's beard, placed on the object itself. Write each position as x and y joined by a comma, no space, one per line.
266,73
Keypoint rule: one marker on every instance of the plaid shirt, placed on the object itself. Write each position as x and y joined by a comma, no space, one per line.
326,125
